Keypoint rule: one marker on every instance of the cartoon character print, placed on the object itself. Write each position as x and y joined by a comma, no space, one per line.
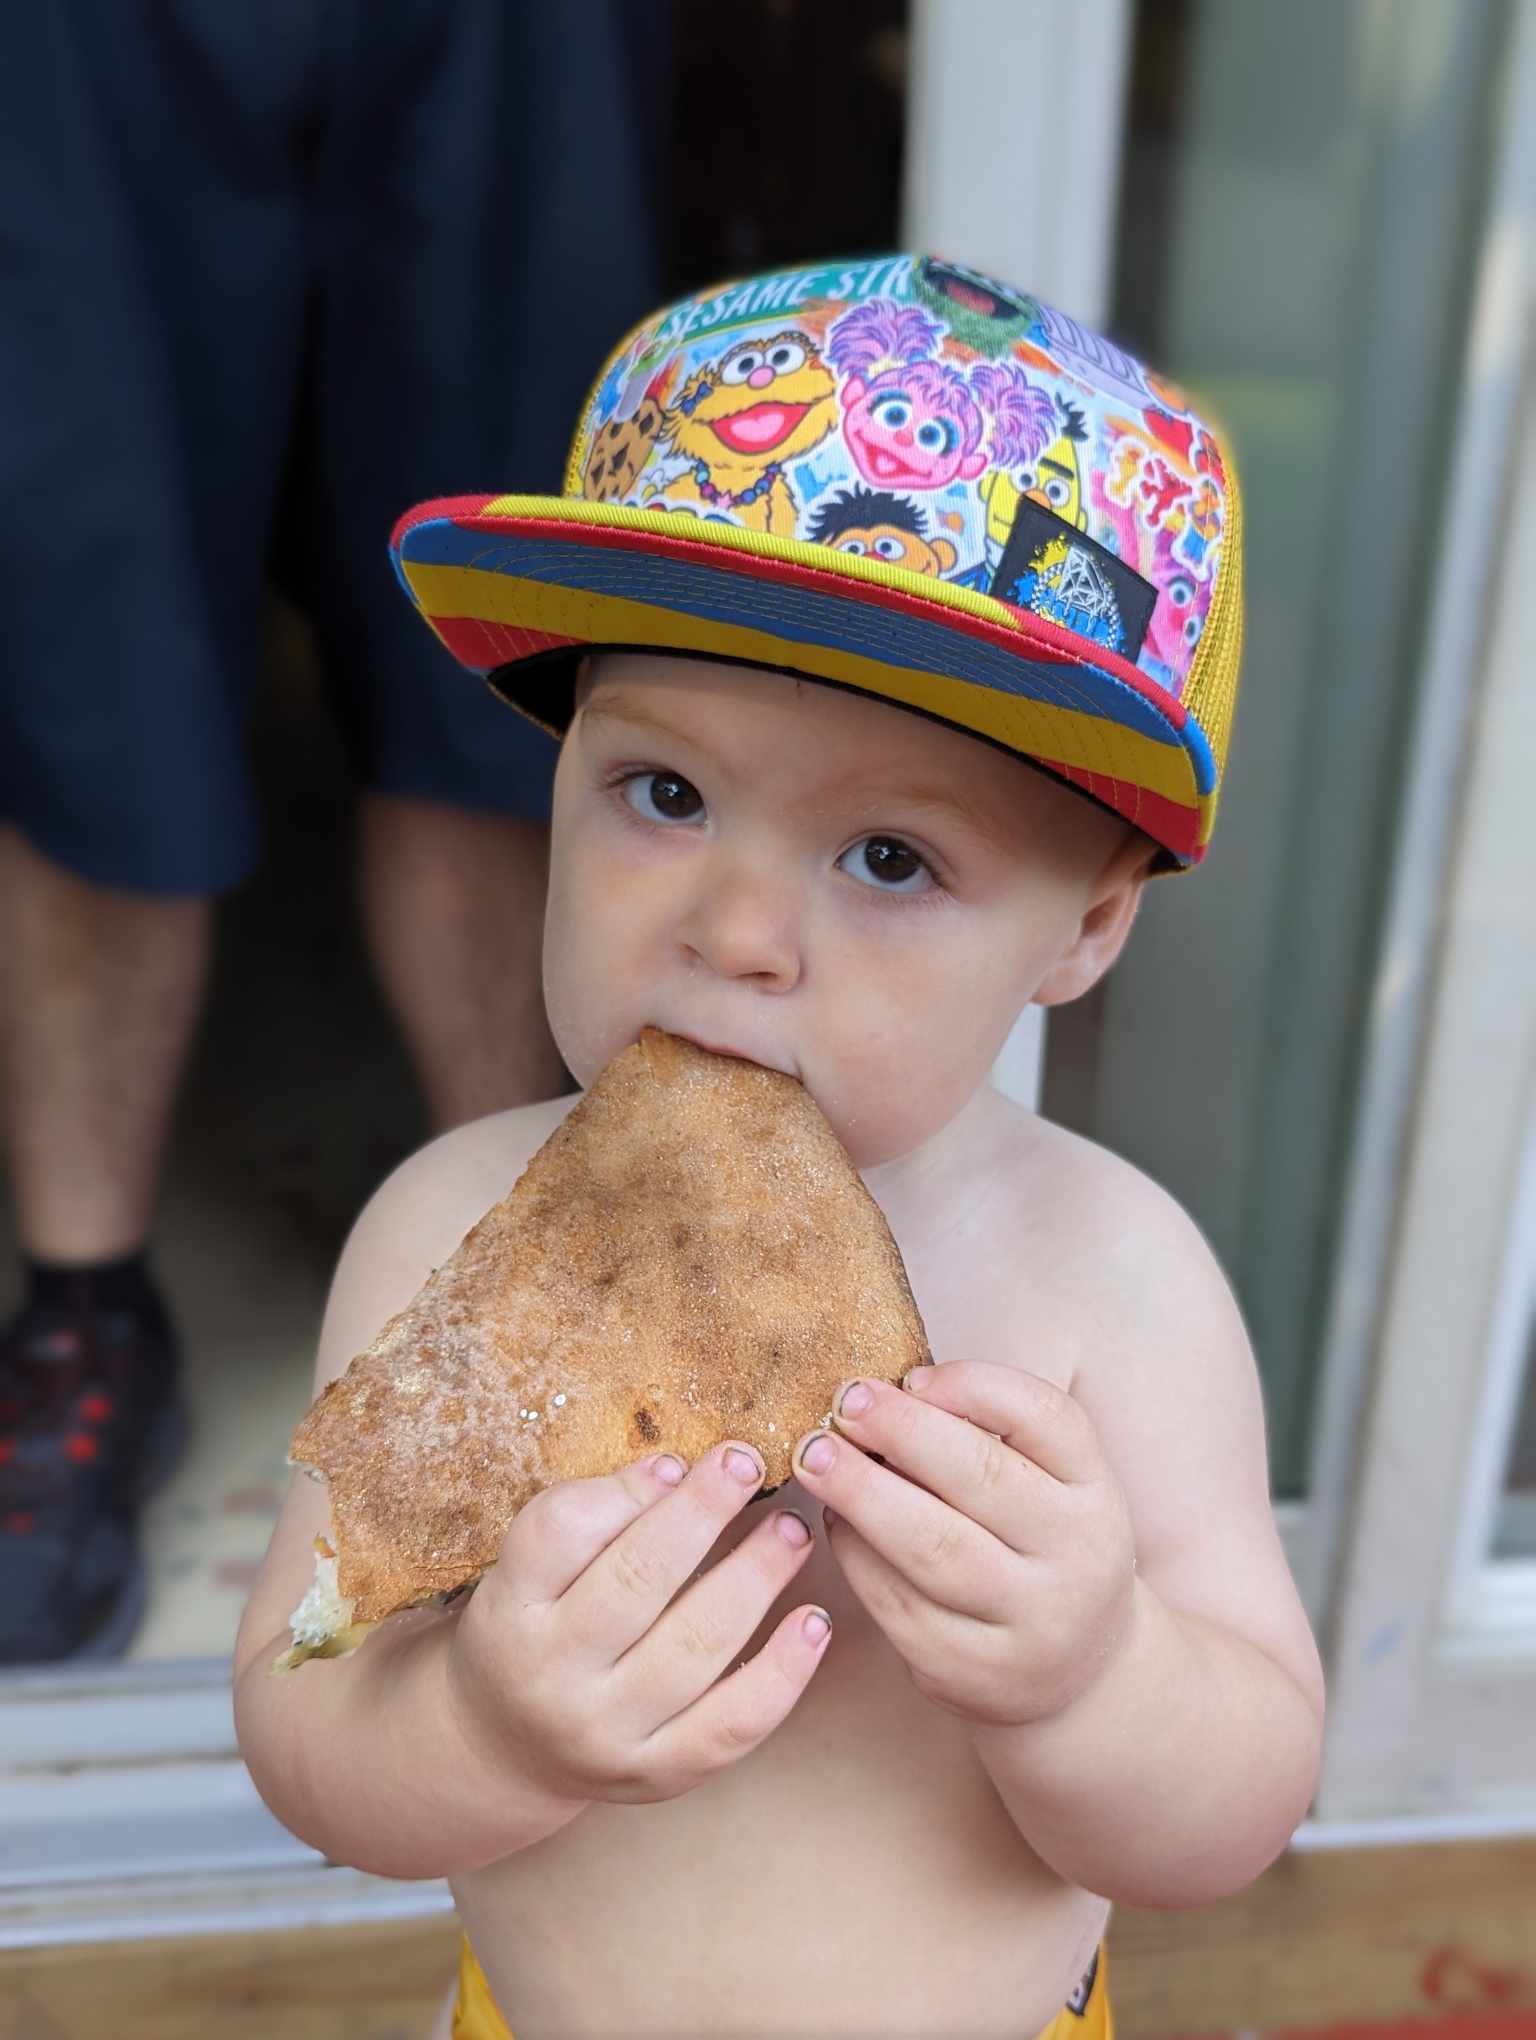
620,450
981,312
874,524
738,423
1178,616
1159,509
1203,524
1030,434
1035,450
910,420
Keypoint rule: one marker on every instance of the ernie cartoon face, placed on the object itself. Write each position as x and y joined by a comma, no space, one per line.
874,524
764,400
914,427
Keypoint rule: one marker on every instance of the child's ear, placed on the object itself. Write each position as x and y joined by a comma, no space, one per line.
1104,928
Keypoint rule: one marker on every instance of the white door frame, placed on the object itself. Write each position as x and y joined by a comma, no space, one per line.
1024,193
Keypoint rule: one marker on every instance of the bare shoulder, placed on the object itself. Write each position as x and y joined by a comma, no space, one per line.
1161,1364
1110,1245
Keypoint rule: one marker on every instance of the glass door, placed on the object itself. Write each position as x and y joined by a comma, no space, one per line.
1302,199
1433,1646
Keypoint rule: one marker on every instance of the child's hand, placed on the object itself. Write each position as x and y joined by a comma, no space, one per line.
1002,1566
569,1664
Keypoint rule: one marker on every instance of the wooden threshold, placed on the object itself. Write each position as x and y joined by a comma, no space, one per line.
1324,1942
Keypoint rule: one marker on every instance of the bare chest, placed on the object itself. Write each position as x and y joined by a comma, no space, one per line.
825,1883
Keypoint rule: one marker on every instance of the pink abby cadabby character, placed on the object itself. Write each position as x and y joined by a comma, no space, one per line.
910,421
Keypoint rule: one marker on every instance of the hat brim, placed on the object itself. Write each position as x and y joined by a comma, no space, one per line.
507,581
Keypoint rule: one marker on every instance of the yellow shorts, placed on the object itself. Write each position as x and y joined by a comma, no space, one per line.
1085,2016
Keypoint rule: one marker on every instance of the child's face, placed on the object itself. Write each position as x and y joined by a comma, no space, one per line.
821,882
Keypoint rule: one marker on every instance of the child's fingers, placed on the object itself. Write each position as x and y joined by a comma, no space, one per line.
734,1716
1042,1422
632,1581
557,1535
707,1628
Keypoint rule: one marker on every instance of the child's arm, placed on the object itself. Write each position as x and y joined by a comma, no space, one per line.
1097,1585
450,1740
1181,1773
364,1757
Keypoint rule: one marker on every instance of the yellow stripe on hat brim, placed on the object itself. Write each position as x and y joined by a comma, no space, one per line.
732,538
1085,741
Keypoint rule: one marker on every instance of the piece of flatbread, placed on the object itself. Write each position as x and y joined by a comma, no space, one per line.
690,1257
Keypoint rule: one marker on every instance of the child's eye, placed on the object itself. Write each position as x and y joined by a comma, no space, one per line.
892,413
889,548
663,797
937,436
887,864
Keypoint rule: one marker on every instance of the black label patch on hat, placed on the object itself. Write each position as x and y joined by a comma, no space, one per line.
1060,573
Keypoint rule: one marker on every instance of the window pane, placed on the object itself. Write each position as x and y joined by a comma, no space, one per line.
1298,218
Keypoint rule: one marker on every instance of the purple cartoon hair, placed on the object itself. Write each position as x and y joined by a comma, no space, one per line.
1023,417
880,331
942,388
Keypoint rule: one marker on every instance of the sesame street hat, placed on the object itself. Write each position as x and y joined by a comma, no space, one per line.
898,476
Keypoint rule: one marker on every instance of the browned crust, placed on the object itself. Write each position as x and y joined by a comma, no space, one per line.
690,1256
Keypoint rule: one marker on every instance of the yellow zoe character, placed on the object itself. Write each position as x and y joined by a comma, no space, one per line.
741,420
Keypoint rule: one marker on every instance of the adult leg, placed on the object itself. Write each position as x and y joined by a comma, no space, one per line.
458,323
100,991
149,375
453,909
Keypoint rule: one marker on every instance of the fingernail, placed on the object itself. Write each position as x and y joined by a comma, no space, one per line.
668,1469
854,1400
819,1454
816,1628
792,1528
746,1469
917,1378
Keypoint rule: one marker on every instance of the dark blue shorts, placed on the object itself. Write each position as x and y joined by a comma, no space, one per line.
268,276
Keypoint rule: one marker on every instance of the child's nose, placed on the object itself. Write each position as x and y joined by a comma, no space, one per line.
904,436
760,378
744,926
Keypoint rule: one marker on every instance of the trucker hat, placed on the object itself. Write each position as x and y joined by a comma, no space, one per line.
896,475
